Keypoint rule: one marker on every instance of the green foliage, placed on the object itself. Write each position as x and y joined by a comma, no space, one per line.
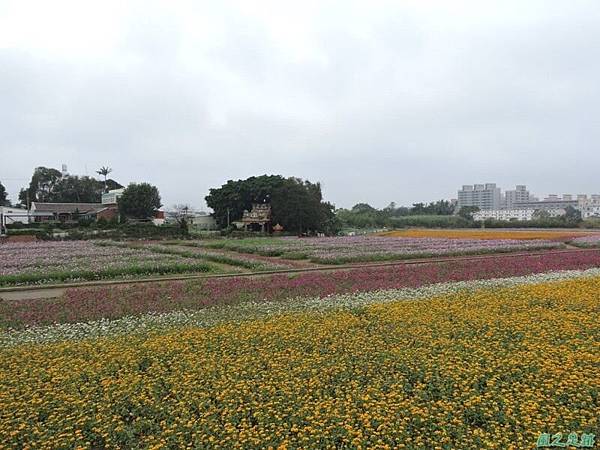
590,223
3,196
231,199
109,273
466,212
439,208
364,216
74,189
296,204
41,185
48,185
105,171
572,216
139,201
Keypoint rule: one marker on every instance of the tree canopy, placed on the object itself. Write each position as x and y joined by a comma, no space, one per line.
297,205
139,201
363,215
48,185
41,185
3,196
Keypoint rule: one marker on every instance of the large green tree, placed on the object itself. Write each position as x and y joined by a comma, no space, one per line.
297,205
230,200
3,196
74,189
41,185
48,185
139,201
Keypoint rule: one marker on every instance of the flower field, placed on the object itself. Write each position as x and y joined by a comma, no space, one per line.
489,234
113,302
247,261
483,364
337,250
38,262
587,241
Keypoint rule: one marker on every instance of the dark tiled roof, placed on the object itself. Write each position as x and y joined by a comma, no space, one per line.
68,208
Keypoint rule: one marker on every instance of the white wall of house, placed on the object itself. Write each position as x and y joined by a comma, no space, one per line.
514,214
504,214
14,215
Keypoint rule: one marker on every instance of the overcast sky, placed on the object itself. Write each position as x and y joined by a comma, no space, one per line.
380,101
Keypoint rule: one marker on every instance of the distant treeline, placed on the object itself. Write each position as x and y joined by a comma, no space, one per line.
434,214
442,214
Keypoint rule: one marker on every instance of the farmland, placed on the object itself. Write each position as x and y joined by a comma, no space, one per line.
113,302
28,262
351,249
47,262
44,262
492,234
470,353
450,366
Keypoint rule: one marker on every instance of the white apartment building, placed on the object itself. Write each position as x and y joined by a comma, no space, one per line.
513,214
484,196
589,207
504,214
518,195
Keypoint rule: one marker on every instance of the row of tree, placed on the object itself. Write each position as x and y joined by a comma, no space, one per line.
363,215
49,185
139,200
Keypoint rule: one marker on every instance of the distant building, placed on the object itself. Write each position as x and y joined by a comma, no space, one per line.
484,196
159,218
112,197
198,219
259,216
11,214
513,214
518,195
64,212
589,207
549,203
204,222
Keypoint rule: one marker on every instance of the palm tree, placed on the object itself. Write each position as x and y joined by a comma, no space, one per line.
104,171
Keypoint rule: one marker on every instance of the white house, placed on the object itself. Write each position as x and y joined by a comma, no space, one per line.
13,214
589,207
513,214
10,215
111,197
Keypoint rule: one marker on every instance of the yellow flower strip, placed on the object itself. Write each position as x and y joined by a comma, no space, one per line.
485,369
486,234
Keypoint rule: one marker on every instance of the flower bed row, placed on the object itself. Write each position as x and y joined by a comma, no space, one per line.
487,234
39,262
587,241
456,368
83,304
340,250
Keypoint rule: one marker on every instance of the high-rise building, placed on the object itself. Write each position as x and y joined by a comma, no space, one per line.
484,196
518,195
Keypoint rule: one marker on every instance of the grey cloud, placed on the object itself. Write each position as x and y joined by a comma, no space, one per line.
379,104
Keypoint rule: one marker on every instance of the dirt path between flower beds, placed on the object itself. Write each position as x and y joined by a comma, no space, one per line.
56,290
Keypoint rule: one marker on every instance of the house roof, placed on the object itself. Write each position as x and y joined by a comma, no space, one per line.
67,208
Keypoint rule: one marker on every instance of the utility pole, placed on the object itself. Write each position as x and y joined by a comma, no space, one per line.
227,217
